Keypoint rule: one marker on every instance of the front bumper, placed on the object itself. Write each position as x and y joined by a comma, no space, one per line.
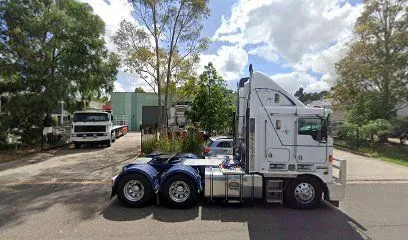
337,188
336,191
90,139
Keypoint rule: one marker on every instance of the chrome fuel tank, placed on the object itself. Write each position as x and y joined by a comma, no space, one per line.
232,185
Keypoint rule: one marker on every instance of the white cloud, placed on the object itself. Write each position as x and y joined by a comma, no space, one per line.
266,52
132,81
118,87
309,35
291,82
112,13
229,61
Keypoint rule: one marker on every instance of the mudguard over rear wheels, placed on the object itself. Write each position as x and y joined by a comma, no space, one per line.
179,191
134,190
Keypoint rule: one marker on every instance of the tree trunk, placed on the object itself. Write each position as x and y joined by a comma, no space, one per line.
156,40
168,74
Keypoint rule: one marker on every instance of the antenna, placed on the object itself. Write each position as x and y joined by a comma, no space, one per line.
251,70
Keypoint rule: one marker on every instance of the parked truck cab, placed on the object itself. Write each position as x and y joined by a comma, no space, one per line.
91,127
283,153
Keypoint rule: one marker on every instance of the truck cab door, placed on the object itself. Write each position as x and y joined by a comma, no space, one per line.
310,146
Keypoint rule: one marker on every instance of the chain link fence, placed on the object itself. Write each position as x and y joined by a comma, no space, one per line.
55,136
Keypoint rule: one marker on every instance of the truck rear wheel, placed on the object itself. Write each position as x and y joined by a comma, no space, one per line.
303,193
180,191
134,190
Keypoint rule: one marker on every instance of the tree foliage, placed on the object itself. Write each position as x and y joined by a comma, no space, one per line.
373,76
400,128
213,106
50,51
139,90
305,97
167,43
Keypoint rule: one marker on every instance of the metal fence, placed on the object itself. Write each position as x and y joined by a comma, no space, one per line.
120,120
148,131
55,136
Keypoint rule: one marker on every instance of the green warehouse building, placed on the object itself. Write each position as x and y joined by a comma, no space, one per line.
139,108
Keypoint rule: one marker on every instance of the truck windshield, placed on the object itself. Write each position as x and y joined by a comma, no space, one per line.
90,117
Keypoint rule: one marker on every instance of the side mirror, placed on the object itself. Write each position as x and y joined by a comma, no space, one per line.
323,132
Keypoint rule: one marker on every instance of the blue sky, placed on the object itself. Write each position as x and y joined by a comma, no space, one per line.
296,42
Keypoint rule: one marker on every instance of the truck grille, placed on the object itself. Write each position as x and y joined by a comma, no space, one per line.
90,128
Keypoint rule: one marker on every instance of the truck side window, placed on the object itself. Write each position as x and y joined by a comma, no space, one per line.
222,144
310,126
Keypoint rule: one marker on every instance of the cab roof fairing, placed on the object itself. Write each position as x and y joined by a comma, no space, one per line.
261,80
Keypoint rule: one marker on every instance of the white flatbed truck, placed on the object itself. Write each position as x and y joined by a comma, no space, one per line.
97,127
283,154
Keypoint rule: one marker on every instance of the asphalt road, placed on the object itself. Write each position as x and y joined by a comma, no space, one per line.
64,194
84,211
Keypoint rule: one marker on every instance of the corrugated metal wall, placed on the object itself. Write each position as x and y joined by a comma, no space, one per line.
131,104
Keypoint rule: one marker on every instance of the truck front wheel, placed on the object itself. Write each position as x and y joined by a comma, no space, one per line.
109,143
303,193
134,190
77,145
180,191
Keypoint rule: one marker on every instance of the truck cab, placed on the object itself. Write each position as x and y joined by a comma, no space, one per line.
278,137
276,132
91,127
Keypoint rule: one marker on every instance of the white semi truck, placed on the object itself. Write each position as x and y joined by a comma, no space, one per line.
283,154
97,127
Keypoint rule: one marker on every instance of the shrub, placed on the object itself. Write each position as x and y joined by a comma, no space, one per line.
149,145
376,131
349,132
192,143
400,128
369,134
169,145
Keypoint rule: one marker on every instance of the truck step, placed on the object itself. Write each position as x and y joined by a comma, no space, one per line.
273,191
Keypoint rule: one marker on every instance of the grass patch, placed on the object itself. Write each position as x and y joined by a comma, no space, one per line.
390,152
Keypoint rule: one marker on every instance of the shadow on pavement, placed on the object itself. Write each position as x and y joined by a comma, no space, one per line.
19,203
264,221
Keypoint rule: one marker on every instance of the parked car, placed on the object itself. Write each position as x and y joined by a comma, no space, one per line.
218,145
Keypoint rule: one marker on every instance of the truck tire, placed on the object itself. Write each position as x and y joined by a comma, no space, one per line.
134,190
77,145
303,193
108,143
179,191
113,136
